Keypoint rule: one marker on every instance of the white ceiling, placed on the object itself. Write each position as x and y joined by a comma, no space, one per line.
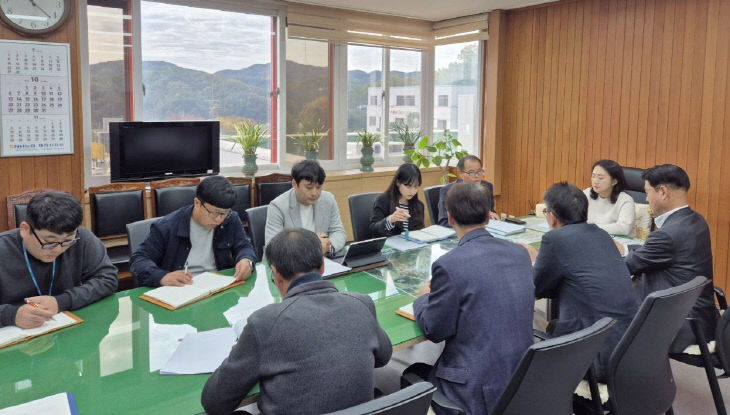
433,10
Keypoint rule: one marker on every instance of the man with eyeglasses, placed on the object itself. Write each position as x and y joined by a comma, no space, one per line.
470,171
51,263
205,236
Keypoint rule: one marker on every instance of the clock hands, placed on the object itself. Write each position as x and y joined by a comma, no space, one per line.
37,7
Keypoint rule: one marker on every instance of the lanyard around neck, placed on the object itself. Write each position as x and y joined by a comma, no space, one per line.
32,274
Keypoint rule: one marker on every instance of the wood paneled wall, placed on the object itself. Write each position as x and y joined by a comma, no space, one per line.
642,82
58,172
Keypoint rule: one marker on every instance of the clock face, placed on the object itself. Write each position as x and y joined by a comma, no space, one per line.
34,16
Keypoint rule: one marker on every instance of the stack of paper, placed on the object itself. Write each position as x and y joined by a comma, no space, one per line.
200,352
203,285
399,242
504,228
58,404
12,334
432,233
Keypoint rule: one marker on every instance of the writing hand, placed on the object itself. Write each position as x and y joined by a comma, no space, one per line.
243,270
29,316
177,278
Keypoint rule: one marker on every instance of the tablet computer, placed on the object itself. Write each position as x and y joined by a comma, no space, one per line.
364,253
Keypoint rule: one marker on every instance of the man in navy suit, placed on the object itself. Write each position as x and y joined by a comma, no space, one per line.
578,264
470,171
678,251
480,303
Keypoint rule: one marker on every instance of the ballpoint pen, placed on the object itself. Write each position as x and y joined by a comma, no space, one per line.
36,305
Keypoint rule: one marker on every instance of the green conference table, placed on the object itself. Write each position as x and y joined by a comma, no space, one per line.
111,361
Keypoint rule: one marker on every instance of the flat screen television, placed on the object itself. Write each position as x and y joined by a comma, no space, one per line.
141,151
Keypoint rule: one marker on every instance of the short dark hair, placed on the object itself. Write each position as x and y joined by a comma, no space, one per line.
666,174
308,170
469,203
616,172
57,212
567,203
462,161
217,191
294,251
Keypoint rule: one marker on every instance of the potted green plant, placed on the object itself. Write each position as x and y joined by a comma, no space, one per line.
408,136
367,140
310,137
249,135
443,149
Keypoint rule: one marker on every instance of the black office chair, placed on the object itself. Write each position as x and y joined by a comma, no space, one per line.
17,205
361,208
432,201
546,376
270,186
634,184
711,359
640,379
137,232
413,400
257,225
243,200
172,194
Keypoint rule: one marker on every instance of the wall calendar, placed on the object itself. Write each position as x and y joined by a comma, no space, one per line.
35,86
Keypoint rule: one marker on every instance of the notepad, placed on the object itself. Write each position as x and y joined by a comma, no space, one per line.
204,285
504,228
407,312
58,404
399,243
10,335
432,233
200,352
333,268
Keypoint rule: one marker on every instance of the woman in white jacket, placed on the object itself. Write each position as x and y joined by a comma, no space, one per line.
609,206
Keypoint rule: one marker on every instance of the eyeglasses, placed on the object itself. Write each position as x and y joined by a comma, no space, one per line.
213,213
47,246
475,173
545,211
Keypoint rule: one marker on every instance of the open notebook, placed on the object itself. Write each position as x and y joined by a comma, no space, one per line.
432,233
10,335
204,285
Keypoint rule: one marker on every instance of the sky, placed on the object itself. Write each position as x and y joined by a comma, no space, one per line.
211,40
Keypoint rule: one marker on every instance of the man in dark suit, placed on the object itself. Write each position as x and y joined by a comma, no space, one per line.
470,171
315,352
678,251
578,264
480,303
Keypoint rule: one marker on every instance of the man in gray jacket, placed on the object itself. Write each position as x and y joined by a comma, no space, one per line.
307,206
51,263
312,353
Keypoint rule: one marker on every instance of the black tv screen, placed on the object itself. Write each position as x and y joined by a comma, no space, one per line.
155,150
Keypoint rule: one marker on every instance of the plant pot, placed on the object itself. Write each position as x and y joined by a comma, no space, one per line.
366,161
407,157
311,155
249,165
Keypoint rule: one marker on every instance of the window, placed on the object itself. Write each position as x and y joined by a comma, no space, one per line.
308,102
364,79
190,70
110,57
405,100
404,82
456,79
374,100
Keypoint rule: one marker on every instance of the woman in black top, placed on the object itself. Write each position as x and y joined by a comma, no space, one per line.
398,208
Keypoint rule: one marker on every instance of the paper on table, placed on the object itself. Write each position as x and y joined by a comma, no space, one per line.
10,334
504,228
407,311
540,227
331,268
432,233
202,285
400,243
58,404
200,352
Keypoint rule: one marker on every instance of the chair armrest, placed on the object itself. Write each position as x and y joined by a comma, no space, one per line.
721,300
540,334
440,400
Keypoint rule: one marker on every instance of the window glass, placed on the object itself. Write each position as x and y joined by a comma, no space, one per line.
364,79
405,95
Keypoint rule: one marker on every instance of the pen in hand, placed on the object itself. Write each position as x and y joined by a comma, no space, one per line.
38,306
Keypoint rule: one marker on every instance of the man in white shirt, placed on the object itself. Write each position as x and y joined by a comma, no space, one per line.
307,206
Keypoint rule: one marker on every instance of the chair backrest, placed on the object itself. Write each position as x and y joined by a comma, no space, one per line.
115,205
639,377
270,186
137,232
413,400
242,187
361,208
634,184
172,194
257,225
722,341
432,194
17,204
549,372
